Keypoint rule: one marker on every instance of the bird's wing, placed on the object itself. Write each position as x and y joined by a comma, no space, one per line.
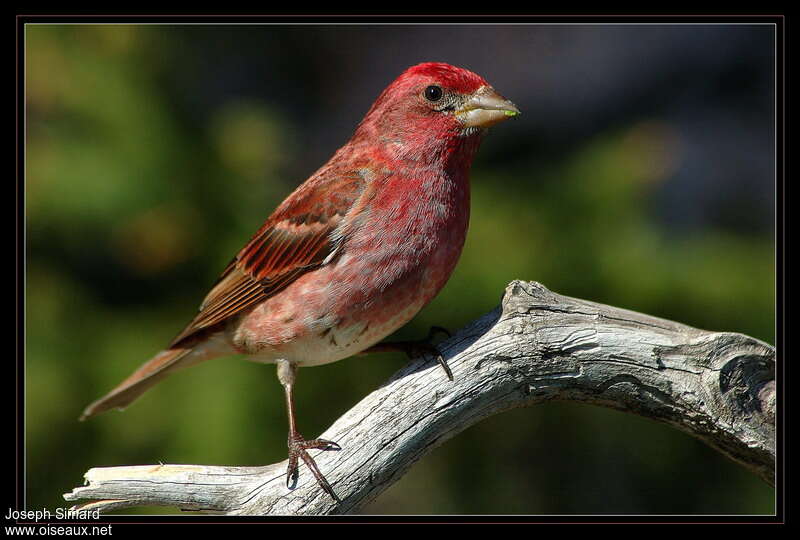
298,237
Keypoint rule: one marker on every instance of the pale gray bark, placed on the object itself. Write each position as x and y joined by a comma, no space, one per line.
537,346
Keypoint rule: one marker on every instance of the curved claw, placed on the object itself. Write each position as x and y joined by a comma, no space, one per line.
445,367
298,449
435,351
419,348
323,444
413,349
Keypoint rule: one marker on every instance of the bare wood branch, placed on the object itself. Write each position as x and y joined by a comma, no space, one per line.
537,346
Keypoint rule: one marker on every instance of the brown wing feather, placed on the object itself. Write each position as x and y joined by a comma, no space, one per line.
297,238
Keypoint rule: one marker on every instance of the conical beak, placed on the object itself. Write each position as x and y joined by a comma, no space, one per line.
486,108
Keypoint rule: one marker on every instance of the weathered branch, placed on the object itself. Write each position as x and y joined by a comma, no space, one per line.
537,346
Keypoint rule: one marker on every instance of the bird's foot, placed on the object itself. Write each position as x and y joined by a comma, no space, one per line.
298,447
414,349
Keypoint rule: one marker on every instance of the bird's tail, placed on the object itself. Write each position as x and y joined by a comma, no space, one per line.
142,379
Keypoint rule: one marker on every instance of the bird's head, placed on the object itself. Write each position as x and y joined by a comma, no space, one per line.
434,103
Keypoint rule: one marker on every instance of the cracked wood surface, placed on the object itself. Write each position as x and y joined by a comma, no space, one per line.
537,346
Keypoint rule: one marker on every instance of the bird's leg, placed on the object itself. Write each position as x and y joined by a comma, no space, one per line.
417,348
298,446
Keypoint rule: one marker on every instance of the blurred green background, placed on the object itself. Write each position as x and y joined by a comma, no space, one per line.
639,175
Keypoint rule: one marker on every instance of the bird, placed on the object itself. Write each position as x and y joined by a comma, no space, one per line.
353,253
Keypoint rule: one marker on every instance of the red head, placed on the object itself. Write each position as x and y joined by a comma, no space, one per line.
433,105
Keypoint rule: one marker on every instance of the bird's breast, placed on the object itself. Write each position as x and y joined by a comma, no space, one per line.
390,266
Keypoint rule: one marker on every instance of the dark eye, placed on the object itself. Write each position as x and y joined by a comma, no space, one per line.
433,93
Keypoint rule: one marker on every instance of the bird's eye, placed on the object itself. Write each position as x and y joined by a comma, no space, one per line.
433,93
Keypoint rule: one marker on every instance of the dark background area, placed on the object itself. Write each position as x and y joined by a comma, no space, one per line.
641,174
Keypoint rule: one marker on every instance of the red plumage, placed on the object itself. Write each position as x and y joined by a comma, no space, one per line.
355,251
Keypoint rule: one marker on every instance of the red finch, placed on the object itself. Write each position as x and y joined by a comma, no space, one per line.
354,252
